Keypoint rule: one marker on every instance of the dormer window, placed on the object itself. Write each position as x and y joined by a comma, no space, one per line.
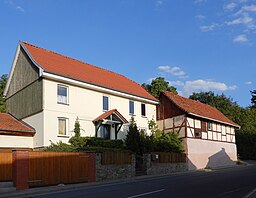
62,94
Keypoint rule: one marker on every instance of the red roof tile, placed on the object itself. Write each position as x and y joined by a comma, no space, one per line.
9,123
62,65
197,108
108,113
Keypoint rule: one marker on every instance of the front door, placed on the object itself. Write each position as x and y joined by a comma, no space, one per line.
105,131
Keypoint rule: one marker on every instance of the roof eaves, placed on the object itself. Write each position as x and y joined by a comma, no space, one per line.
75,79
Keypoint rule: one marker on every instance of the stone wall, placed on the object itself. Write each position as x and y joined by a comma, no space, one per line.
114,171
155,168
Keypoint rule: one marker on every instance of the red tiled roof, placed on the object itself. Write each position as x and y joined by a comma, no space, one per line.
62,65
11,124
108,113
197,108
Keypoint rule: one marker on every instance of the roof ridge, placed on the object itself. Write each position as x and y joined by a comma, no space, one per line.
79,61
198,102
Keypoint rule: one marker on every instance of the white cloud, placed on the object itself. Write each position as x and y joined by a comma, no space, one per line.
248,83
176,83
19,8
242,38
250,8
173,70
200,17
230,6
244,19
203,85
207,28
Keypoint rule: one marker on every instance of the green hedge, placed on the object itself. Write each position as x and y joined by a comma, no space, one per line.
246,145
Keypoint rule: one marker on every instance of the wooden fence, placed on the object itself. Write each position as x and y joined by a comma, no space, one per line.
6,166
116,157
170,157
49,168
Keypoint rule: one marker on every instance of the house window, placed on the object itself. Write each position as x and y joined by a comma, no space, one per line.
62,126
131,107
62,94
209,125
105,103
143,109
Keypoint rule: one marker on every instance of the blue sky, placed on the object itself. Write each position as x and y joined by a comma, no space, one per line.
197,45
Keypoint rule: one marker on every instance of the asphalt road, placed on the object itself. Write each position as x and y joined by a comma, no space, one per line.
232,182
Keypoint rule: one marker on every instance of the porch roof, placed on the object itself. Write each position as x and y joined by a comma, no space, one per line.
110,112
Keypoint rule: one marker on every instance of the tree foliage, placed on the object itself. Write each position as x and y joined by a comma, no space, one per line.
157,85
3,81
140,143
253,99
77,128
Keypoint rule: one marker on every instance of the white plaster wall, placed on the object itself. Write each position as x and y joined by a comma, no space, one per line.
37,122
86,105
178,120
204,135
190,132
198,124
190,122
7,141
168,123
205,153
160,124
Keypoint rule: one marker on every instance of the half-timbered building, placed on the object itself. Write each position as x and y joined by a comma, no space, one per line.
208,135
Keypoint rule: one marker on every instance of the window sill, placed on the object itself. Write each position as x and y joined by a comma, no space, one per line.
144,116
132,114
63,136
63,103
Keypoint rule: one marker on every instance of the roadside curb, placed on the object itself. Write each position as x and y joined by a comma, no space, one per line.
62,188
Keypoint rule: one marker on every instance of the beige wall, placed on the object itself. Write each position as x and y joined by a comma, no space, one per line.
37,122
86,105
7,141
204,153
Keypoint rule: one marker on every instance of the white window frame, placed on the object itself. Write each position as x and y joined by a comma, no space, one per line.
130,113
141,110
103,103
66,127
59,100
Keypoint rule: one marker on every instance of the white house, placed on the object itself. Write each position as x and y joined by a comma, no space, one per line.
50,91
208,136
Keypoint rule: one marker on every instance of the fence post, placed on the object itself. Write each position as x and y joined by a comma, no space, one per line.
20,169
92,167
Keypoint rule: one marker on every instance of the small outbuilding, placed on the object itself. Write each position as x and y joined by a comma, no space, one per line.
14,133
208,135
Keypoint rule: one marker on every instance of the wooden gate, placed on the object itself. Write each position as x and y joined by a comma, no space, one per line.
49,168
5,166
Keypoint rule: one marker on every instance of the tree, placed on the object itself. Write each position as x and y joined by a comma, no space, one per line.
253,100
133,139
3,81
77,128
157,85
224,104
